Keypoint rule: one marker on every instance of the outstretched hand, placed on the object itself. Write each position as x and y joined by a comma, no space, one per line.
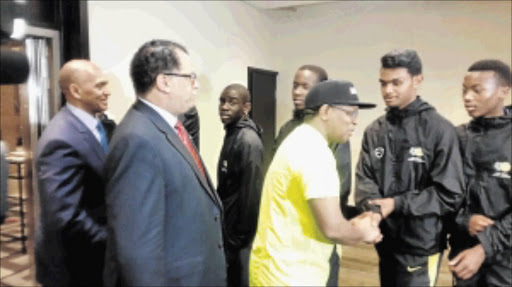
366,222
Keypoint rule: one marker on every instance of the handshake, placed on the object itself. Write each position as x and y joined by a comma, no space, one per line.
368,224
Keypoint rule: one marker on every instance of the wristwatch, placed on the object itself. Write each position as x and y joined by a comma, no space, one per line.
367,206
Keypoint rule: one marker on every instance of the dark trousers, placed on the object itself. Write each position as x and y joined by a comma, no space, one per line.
496,272
238,266
408,270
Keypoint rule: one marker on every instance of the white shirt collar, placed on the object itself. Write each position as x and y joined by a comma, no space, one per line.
86,118
168,117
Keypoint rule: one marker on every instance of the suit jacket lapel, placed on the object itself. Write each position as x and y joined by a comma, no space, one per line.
208,180
91,142
175,141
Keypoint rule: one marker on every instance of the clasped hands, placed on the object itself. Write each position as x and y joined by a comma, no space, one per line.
369,221
368,226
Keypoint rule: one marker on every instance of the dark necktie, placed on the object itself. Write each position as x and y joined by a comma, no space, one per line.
103,137
183,135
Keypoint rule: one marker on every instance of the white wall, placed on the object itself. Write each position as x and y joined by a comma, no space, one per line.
223,38
347,38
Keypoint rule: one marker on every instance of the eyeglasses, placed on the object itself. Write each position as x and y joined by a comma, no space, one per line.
351,113
191,76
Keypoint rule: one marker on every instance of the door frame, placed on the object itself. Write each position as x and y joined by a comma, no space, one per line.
55,99
53,36
268,146
249,87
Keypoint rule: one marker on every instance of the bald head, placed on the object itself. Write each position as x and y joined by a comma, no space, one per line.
240,90
74,72
84,85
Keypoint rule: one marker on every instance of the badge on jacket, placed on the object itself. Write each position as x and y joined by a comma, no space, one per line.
379,152
501,169
224,166
416,154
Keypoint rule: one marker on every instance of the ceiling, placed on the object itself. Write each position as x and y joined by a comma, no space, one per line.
269,5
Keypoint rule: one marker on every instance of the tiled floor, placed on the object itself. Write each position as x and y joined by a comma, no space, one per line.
14,265
359,263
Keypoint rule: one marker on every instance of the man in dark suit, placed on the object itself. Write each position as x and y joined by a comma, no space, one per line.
71,231
164,216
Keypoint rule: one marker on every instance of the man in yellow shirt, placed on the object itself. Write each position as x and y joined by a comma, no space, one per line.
300,216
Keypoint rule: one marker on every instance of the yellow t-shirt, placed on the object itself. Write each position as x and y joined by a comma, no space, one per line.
289,249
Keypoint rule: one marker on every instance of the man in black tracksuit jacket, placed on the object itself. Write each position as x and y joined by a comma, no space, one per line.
480,242
409,172
240,179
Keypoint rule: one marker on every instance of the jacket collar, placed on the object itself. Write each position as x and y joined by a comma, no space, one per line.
395,114
298,114
482,123
86,134
243,122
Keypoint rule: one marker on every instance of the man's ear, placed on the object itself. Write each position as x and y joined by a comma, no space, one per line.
74,91
246,108
323,112
503,92
417,80
162,83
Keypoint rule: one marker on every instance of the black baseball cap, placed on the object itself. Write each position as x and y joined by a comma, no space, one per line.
334,92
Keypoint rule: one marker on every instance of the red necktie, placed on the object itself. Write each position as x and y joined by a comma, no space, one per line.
183,135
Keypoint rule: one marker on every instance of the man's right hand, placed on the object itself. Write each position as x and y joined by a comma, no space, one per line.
468,262
387,205
477,223
376,218
367,224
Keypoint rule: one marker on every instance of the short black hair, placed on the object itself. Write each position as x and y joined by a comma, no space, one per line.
407,58
151,59
319,71
501,70
241,90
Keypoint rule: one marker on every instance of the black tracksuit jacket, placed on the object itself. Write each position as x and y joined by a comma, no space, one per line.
486,145
287,128
240,180
412,155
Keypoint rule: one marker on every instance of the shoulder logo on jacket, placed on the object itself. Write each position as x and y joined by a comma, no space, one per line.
416,154
224,166
502,170
379,152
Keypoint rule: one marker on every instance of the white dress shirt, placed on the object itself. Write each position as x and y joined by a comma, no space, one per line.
168,117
